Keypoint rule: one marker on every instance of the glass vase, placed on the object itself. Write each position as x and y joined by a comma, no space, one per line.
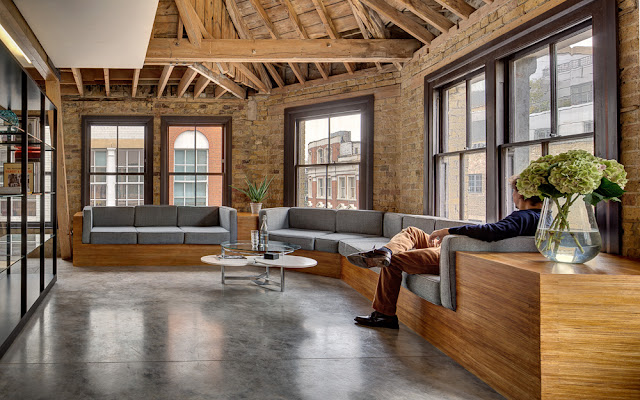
568,231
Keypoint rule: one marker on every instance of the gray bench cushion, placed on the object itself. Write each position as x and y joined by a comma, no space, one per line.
442,223
302,237
350,246
114,235
198,216
160,235
149,215
314,219
205,234
113,216
425,223
392,224
424,285
365,222
329,243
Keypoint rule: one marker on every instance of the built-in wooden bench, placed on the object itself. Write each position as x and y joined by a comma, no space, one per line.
534,329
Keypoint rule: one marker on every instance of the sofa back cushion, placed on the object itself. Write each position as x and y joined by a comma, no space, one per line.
392,224
198,216
113,216
442,223
156,215
424,222
365,222
316,219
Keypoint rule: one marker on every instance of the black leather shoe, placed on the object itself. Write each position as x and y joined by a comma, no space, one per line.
378,320
369,259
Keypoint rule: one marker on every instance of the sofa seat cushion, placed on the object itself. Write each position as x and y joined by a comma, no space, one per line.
205,234
350,246
114,235
426,286
160,235
302,237
329,243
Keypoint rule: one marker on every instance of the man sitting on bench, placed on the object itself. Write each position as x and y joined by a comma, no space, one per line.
416,252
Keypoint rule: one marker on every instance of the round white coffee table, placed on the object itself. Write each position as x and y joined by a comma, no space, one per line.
264,279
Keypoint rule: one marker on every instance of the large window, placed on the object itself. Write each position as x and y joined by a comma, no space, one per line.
194,161
548,86
117,167
328,155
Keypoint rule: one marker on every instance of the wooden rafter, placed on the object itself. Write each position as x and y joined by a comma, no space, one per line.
190,23
180,31
201,85
330,27
220,80
185,81
136,77
264,76
422,10
363,29
459,7
297,25
107,86
252,77
219,91
164,78
410,26
164,51
274,73
77,77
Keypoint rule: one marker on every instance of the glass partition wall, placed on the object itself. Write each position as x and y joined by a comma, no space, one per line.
27,200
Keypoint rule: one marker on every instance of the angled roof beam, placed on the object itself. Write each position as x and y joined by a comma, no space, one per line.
252,77
201,85
185,81
274,73
330,27
459,7
220,80
77,76
219,91
164,51
410,26
107,86
363,29
164,78
189,18
136,77
422,10
264,76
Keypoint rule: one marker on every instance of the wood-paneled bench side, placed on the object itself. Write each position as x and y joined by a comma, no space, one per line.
106,255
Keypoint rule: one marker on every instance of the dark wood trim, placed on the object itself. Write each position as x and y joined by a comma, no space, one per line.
227,138
87,121
292,115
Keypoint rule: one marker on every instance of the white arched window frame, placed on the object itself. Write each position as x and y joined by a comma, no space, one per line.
191,155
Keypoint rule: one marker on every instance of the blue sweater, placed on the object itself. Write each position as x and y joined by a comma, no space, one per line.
518,223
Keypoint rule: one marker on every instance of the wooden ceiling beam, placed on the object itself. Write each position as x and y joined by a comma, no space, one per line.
297,72
459,7
331,28
186,80
238,22
274,73
264,76
107,86
219,91
136,77
407,24
422,10
165,51
201,85
77,77
189,20
252,77
363,29
220,80
164,78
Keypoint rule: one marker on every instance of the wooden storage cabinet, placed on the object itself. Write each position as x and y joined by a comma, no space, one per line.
246,223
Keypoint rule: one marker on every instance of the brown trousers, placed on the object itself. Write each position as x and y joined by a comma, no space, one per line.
413,254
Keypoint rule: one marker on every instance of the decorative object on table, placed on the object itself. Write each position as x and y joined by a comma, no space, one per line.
571,184
255,192
264,231
13,174
271,256
255,238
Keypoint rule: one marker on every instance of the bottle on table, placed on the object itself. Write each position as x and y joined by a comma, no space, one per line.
264,232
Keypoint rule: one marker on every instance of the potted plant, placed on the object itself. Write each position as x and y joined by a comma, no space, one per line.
255,192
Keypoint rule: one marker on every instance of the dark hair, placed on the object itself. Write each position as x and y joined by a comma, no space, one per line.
533,200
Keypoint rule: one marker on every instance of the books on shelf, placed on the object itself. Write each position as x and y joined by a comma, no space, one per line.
13,174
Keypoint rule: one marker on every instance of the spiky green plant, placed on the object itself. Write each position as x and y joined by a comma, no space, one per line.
254,191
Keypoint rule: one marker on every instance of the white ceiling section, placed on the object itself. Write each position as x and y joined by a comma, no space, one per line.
92,33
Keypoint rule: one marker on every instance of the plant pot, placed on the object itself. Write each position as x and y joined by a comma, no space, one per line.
568,231
255,207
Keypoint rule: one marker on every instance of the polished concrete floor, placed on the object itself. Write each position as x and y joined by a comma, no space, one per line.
177,333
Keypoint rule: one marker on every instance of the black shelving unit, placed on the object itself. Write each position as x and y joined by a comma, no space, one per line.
28,263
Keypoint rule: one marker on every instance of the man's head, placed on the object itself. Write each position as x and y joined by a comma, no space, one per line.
519,200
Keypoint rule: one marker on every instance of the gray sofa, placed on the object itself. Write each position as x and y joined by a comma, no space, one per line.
159,224
352,231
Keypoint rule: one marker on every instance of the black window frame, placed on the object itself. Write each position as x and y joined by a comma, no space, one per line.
225,123
361,104
127,120
602,15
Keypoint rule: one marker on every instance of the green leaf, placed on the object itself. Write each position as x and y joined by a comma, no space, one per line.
593,198
609,190
256,193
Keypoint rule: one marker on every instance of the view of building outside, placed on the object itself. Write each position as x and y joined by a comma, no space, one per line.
195,165
328,170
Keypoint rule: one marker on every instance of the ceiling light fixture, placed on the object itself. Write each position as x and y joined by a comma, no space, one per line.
11,44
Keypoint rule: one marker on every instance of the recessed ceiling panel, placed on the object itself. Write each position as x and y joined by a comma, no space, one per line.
92,33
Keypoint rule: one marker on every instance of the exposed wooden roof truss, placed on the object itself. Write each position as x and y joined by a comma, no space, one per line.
219,47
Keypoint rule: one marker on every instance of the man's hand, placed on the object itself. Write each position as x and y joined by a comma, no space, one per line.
436,236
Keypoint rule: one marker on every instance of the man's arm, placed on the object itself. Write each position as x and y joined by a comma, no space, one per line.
519,223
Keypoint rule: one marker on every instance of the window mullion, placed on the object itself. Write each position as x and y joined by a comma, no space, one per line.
553,61
461,182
